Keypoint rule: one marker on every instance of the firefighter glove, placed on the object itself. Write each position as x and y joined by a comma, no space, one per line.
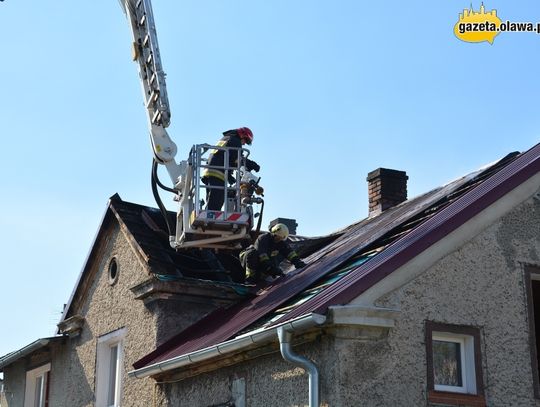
253,166
275,271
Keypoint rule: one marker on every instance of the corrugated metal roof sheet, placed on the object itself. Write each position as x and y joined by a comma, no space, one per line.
447,219
430,216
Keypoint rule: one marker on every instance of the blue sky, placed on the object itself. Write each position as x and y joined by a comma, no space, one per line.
331,90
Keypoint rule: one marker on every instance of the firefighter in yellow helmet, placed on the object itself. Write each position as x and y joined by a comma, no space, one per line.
260,260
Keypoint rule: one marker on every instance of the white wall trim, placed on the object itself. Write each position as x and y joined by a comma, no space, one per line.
30,386
103,358
361,315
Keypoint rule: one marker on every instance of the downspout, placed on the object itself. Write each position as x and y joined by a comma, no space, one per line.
285,339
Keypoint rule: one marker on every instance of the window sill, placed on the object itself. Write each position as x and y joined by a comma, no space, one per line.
456,399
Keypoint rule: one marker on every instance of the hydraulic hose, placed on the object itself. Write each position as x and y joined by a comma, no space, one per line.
156,179
154,183
259,222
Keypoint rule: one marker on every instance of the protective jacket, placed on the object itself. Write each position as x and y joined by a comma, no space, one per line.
263,257
268,250
217,158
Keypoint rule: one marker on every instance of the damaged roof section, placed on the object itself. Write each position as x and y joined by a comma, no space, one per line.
202,274
148,232
357,257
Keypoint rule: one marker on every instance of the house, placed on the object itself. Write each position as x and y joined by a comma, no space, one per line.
433,301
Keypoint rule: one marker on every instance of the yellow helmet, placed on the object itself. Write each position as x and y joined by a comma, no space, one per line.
280,231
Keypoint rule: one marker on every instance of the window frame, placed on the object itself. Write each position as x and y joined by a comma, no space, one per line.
30,389
468,379
532,273
469,337
105,344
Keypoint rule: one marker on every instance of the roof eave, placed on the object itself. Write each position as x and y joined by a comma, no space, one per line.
27,350
338,315
239,343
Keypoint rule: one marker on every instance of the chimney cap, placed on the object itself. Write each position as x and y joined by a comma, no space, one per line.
386,189
291,224
387,173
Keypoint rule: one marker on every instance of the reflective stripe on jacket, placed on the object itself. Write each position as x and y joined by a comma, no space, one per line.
269,249
217,157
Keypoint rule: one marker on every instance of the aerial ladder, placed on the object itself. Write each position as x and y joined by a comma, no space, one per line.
195,225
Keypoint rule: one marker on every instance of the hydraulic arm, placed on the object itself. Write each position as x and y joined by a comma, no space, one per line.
195,226
145,51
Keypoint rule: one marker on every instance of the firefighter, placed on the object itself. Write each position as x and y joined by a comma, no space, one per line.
260,260
214,177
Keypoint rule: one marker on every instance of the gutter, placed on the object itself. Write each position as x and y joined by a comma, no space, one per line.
260,336
14,356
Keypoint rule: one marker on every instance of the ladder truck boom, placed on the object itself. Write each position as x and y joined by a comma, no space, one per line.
145,51
195,226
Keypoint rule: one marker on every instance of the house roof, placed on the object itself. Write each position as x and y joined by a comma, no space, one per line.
357,257
147,232
12,357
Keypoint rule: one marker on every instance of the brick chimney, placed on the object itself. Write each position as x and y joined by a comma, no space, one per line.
386,188
290,223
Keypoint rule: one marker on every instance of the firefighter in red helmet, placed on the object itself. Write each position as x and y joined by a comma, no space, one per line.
214,177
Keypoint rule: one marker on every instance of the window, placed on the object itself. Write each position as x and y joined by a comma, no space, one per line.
36,393
454,363
109,369
113,271
532,284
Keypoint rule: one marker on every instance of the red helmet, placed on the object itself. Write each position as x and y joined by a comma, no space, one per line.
245,134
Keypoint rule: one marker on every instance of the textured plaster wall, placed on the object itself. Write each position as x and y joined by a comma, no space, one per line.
481,284
172,316
14,382
270,381
15,374
111,307
344,356
107,308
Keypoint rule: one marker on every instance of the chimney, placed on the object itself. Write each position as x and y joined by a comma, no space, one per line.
290,223
386,188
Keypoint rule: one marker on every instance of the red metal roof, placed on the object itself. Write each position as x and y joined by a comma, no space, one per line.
448,211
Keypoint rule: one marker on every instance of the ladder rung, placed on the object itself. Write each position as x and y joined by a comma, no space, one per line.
138,4
154,96
149,59
156,119
153,78
142,20
146,40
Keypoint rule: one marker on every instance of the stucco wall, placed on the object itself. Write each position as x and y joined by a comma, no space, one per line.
106,308
269,381
110,307
343,354
15,374
481,284
14,382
